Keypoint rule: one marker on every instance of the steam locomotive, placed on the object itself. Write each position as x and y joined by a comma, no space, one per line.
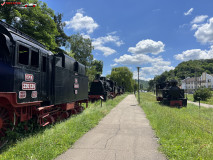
169,94
103,88
36,83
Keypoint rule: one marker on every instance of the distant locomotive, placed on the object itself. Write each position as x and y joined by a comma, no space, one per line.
36,83
99,88
105,88
171,95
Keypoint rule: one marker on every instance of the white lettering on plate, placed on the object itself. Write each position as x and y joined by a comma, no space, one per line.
29,77
28,86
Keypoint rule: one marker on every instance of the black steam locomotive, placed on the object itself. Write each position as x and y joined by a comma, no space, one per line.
36,83
104,88
169,94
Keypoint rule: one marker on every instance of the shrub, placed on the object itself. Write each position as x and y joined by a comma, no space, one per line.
202,93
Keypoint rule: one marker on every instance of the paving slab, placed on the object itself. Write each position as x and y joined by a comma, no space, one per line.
124,134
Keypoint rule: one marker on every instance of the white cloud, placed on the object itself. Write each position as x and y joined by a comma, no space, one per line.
80,22
113,65
155,70
147,72
194,54
199,19
189,12
204,33
106,50
86,36
99,43
140,59
107,39
141,76
195,26
147,46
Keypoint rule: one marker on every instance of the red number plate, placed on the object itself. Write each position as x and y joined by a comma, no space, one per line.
29,77
28,86
76,85
34,94
22,94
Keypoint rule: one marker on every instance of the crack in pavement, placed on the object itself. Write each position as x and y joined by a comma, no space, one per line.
114,134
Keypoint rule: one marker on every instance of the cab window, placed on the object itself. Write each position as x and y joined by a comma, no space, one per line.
23,55
34,58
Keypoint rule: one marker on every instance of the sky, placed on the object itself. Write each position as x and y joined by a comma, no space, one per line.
151,34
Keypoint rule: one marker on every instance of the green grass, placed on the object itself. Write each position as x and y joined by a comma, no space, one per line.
208,101
56,139
185,133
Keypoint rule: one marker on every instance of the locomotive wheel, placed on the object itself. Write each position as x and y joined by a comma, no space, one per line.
5,125
65,115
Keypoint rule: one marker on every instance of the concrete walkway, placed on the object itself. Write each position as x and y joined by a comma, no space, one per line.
124,134
201,104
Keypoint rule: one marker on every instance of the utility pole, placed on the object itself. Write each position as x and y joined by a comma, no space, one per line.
138,86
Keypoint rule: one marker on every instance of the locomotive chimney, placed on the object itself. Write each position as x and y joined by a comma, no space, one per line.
97,76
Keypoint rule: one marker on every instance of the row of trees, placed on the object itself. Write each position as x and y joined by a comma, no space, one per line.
124,77
45,26
192,68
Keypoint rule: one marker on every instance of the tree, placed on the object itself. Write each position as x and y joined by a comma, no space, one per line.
62,38
123,76
82,49
91,72
98,66
151,85
202,94
37,21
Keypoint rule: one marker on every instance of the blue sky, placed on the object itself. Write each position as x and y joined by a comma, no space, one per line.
154,35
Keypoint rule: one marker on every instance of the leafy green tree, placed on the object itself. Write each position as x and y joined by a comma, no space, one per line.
82,48
37,21
202,94
60,39
135,86
151,85
91,72
98,66
123,76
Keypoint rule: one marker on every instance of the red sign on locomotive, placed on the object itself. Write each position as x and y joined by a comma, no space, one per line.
29,77
28,86
34,94
22,94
